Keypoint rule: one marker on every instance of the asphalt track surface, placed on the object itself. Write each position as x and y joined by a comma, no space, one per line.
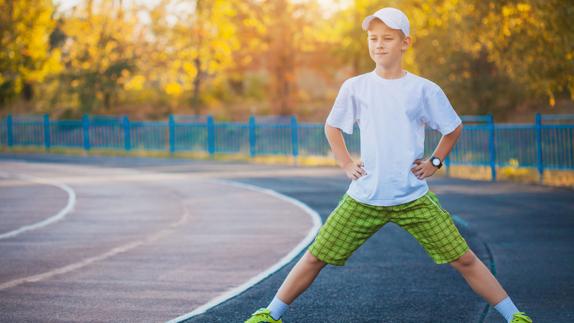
524,233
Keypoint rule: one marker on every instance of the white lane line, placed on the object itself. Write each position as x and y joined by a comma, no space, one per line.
88,261
60,215
282,262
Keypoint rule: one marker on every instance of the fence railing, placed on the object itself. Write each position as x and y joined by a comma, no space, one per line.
543,145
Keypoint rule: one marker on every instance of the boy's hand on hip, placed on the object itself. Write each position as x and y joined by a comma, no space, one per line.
354,169
423,168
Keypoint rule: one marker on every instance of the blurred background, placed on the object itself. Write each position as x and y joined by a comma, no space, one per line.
151,58
225,85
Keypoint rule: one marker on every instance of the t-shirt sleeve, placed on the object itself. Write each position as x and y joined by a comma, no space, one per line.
345,111
438,113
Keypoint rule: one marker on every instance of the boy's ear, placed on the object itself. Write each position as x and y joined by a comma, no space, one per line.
406,43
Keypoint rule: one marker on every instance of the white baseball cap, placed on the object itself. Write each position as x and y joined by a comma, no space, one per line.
392,17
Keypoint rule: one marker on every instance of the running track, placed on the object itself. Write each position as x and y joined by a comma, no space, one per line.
83,242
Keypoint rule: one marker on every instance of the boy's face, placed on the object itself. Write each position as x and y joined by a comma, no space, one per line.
386,45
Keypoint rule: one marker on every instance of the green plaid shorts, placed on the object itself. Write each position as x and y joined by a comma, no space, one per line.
353,222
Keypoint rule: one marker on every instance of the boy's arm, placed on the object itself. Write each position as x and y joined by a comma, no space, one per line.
424,168
447,142
336,140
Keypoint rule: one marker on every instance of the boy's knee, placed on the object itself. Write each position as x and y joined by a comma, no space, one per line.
466,260
312,260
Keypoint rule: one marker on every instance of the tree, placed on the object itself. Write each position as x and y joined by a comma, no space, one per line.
26,58
98,53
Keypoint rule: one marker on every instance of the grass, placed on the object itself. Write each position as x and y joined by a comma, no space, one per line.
514,173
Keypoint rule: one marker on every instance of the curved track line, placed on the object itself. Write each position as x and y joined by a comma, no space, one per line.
88,261
274,268
308,239
60,215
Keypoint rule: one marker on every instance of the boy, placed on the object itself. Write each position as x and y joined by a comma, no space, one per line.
392,107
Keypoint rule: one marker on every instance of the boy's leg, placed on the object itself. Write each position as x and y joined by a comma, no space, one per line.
479,278
297,281
483,282
345,230
434,229
300,277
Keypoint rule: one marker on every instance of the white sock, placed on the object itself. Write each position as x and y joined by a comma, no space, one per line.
506,308
277,308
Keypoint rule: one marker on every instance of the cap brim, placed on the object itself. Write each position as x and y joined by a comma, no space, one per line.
387,22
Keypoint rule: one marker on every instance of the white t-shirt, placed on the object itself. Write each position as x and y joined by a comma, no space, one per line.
392,115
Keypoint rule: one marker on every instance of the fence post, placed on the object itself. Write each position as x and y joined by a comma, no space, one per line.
171,134
86,130
210,136
540,162
294,136
252,136
447,164
491,146
127,132
10,135
47,131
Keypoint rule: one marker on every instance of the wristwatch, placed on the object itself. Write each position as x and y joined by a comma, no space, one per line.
436,162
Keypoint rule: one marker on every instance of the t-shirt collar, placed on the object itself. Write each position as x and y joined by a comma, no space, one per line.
389,81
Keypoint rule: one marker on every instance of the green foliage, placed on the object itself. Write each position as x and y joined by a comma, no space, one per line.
232,58
25,56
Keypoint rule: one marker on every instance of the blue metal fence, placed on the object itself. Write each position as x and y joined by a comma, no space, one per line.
545,144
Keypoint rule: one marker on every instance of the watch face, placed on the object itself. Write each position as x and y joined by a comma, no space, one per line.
435,161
